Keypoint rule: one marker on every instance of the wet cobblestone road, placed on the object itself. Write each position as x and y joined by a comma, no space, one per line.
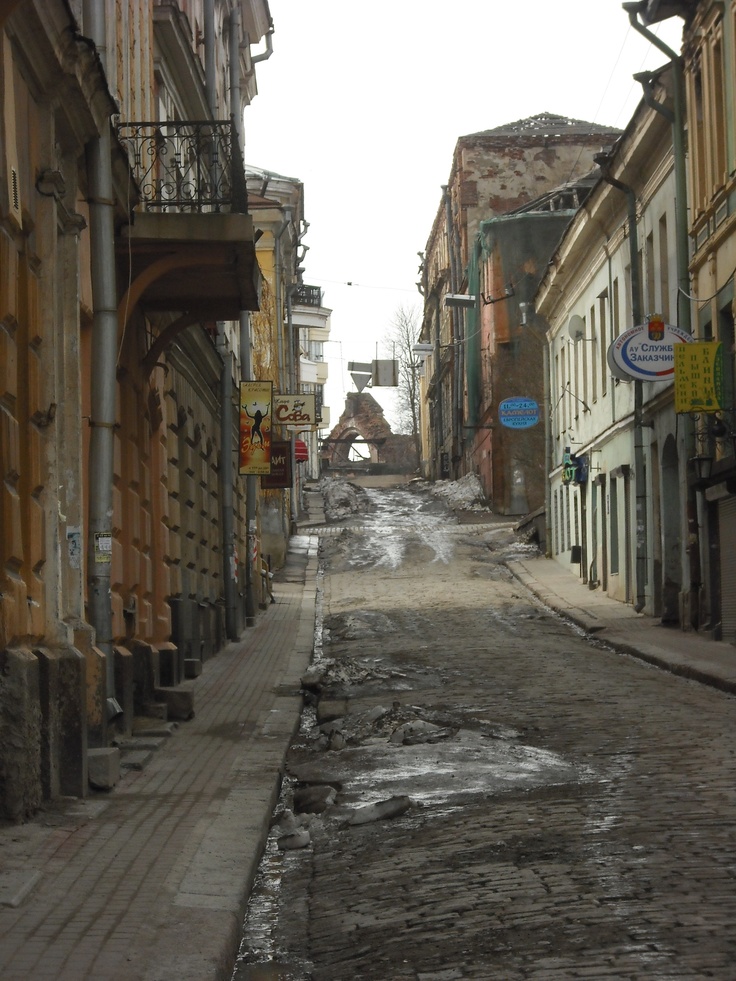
585,827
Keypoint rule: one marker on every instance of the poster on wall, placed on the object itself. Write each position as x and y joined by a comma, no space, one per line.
280,475
256,402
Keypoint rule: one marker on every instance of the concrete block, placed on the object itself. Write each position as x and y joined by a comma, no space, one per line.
330,709
192,667
146,673
103,767
125,686
94,673
20,734
62,699
154,710
179,701
171,665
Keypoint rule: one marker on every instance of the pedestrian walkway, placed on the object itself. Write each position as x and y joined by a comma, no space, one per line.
618,625
149,882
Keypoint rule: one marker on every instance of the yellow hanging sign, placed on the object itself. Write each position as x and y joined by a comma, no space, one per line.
698,377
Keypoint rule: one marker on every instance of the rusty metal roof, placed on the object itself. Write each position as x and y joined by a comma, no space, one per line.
547,124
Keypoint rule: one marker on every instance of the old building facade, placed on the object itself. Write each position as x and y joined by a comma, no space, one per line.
493,173
129,306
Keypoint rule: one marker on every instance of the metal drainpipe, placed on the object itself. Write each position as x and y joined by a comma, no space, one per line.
246,363
251,485
603,160
278,268
226,484
293,385
209,55
454,317
439,421
684,319
103,381
264,56
678,146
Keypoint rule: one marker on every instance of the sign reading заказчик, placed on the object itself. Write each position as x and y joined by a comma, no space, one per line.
646,352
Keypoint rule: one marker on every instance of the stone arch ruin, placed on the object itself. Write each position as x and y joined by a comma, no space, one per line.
362,422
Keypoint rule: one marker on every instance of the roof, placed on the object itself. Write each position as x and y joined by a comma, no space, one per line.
547,124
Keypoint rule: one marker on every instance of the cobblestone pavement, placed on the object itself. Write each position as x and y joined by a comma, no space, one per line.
585,829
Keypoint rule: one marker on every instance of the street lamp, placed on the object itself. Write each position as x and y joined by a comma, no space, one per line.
463,300
701,467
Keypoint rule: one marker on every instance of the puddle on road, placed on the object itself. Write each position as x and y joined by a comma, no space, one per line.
432,774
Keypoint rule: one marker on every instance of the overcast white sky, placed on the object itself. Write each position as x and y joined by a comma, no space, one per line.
364,102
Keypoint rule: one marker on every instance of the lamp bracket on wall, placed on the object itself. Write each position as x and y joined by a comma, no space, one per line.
508,292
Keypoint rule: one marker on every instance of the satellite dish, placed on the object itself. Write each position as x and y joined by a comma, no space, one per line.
576,328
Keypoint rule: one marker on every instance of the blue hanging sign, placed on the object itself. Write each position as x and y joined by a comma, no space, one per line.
518,412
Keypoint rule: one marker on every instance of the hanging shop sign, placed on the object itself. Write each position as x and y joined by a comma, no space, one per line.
256,402
699,377
280,475
647,352
575,469
518,413
295,410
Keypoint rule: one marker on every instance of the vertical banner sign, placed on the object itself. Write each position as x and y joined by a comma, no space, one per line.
699,377
256,402
280,475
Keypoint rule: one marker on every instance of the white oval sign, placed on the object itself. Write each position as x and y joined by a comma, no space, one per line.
648,355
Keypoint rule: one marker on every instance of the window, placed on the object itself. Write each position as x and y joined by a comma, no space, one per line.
615,312
603,345
651,298
593,356
613,522
664,270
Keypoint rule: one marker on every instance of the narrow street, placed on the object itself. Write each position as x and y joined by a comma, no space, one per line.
495,795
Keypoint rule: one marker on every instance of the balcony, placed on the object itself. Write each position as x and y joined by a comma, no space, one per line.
189,247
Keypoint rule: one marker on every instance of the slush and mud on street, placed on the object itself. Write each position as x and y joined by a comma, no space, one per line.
478,790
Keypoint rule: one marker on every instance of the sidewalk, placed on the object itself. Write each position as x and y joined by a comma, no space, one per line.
149,882
616,624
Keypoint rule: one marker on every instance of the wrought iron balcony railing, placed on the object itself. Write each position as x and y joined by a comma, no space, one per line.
186,166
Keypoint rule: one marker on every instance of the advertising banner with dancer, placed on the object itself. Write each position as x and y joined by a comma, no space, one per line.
256,402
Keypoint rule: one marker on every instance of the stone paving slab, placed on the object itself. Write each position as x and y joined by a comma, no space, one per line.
152,885
682,652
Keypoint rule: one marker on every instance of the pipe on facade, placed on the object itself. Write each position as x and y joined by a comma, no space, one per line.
251,481
278,268
604,162
455,320
246,361
103,381
236,94
210,71
684,317
226,485
265,55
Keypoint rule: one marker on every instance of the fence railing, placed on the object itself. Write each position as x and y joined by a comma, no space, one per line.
187,166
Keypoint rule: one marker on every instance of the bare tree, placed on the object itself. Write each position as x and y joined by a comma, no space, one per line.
399,341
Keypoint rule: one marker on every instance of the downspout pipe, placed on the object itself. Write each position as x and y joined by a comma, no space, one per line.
246,360
455,316
251,481
684,315
210,74
264,55
226,485
103,380
604,162
678,144
278,270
